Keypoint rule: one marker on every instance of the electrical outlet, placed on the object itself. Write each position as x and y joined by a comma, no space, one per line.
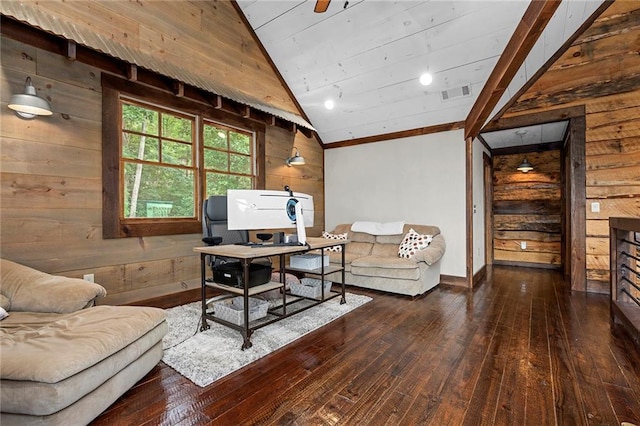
523,245
89,277
595,207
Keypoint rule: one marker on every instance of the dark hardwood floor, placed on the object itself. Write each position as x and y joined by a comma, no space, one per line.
517,350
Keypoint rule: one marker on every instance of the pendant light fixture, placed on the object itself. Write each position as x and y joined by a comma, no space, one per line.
29,105
525,166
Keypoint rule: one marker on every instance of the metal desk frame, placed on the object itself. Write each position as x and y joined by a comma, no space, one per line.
246,254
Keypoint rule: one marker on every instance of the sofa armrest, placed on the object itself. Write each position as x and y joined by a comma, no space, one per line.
33,291
433,252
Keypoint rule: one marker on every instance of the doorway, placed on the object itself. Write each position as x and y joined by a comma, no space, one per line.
529,230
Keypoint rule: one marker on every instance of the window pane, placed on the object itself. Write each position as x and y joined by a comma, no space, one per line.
139,119
140,147
215,137
177,153
176,128
156,191
240,142
240,164
218,183
216,160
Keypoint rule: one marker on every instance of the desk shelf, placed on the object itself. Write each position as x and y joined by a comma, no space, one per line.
319,271
271,285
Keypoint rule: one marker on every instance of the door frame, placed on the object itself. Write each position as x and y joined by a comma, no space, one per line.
574,237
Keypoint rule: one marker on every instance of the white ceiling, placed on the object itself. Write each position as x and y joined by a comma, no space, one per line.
368,56
529,135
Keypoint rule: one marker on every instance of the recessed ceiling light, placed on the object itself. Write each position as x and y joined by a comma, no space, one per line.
426,79
328,104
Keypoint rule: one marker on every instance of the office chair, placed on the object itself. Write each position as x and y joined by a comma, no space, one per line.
215,229
214,223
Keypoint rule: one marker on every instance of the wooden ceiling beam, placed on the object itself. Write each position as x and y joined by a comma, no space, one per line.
533,22
71,50
398,135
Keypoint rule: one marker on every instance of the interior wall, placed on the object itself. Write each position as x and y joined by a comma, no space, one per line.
51,184
527,210
419,180
479,259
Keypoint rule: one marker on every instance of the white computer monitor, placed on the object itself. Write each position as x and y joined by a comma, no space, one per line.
266,209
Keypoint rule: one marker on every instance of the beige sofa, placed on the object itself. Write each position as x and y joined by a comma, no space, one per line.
372,261
64,361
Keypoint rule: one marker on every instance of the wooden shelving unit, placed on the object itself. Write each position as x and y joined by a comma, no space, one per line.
624,234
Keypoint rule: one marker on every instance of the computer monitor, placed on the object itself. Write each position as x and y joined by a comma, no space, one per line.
266,209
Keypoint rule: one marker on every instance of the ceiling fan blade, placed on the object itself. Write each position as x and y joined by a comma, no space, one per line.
321,6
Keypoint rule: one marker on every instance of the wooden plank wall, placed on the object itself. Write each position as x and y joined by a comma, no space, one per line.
526,208
50,187
602,71
209,36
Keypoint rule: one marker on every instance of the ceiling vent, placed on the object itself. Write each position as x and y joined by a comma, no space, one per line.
456,92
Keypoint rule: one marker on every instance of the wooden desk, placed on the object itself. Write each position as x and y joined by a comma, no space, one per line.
246,254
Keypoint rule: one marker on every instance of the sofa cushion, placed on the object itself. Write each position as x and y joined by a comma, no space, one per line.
90,405
45,399
48,348
353,250
34,291
359,237
358,249
387,267
397,239
385,250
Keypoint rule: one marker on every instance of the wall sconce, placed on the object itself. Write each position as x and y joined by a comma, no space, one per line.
29,105
525,166
296,160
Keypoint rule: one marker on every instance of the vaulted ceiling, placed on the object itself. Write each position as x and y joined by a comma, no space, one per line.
367,57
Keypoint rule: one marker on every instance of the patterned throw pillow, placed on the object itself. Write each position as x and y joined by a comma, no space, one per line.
412,242
328,236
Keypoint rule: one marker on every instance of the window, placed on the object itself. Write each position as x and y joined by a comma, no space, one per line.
228,161
158,159
163,154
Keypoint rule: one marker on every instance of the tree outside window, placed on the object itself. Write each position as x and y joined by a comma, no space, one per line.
228,161
158,159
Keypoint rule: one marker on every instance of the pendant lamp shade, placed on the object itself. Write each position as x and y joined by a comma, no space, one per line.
296,160
29,105
525,166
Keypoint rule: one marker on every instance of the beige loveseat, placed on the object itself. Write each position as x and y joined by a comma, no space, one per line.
63,361
372,261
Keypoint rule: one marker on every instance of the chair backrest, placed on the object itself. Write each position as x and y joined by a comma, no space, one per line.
214,221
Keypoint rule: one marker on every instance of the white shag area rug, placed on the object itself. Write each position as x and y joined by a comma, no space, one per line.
204,357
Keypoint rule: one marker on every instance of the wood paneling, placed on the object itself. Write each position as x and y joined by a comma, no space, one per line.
527,208
601,71
51,180
208,36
